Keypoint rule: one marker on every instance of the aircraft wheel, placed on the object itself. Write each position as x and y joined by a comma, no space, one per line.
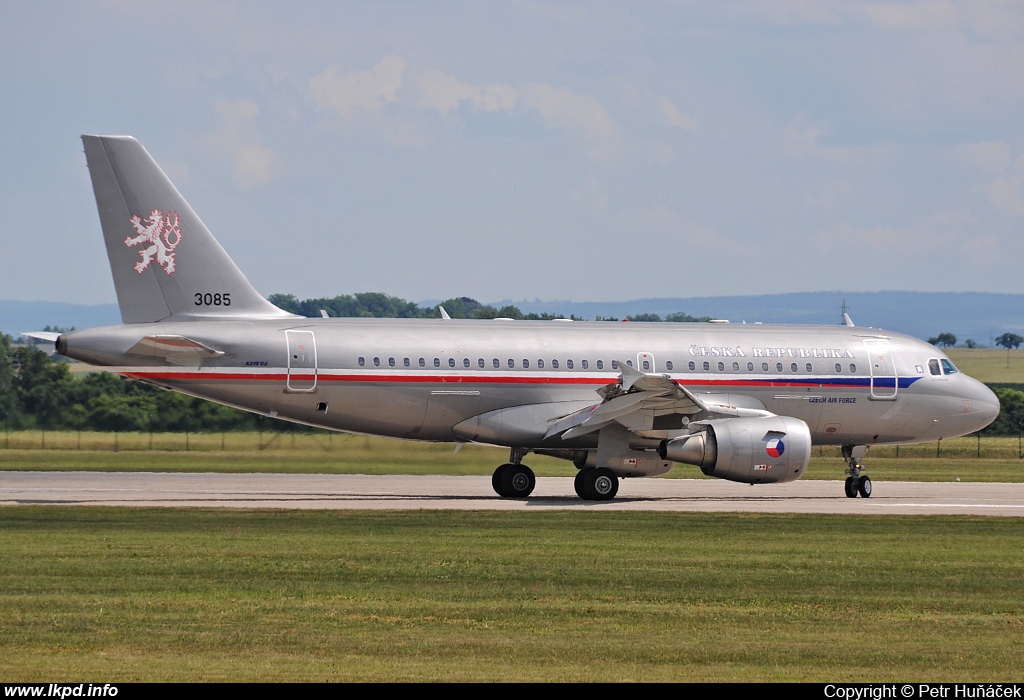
496,479
851,487
864,486
517,481
581,476
601,484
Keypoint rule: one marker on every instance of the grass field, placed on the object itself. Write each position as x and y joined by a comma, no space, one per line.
990,365
999,458
104,594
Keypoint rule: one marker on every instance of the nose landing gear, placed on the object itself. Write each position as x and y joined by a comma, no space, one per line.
856,482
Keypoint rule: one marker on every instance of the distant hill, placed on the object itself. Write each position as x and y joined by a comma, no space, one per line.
975,315
19,316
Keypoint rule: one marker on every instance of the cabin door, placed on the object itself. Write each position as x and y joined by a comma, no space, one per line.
882,366
301,360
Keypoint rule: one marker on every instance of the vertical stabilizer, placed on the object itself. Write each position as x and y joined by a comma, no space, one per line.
165,262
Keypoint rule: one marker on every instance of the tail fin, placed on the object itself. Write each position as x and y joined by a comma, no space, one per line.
166,264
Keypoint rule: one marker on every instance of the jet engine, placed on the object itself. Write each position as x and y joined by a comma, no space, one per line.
763,450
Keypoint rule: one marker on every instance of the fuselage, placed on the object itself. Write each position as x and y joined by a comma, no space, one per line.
422,379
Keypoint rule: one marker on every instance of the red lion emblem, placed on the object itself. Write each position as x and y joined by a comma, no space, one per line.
160,234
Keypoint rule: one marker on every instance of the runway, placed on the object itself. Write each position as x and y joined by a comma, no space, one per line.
360,492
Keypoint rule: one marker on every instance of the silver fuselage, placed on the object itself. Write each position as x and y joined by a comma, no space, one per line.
423,379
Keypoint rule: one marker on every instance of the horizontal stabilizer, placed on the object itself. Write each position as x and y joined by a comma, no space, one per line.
176,349
46,336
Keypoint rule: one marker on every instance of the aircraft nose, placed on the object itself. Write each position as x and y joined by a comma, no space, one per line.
984,404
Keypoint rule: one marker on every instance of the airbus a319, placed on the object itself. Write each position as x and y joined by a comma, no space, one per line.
743,402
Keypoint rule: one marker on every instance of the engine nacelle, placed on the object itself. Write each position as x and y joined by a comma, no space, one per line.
765,450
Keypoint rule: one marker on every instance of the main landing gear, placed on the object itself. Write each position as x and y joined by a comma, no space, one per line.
856,482
514,480
596,484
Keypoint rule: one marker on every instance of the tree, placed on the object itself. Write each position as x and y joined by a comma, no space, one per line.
970,344
1009,340
944,340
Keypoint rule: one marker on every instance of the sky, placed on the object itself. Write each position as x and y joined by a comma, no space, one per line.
588,151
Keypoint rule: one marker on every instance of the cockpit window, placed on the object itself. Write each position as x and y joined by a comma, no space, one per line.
933,367
948,368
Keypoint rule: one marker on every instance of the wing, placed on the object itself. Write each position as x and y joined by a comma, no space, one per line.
650,402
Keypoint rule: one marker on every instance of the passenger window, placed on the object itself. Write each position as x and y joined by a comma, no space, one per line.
540,364
585,364
600,364
480,363
792,367
496,363
361,361
511,363
451,361
809,367
554,364
750,366
853,368
406,362
615,364
465,362
839,368
647,365
692,365
933,367
568,364
423,363
376,362
778,366
721,366
764,366
668,365
735,366
526,364
437,362
707,366
391,362
948,368
629,362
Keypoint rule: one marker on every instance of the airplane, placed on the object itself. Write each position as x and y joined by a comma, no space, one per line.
743,402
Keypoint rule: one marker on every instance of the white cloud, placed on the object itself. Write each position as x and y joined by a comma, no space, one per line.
920,16
1006,193
367,91
565,109
442,92
671,115
253,163
991,156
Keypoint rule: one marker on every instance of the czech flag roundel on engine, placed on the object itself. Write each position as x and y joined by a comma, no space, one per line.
775,448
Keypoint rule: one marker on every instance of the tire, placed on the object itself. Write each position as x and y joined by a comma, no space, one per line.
601,484
864,486
518,481
578,483
851,487
496,479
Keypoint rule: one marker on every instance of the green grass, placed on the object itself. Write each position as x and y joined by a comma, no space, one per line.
185,595
990,365
354,454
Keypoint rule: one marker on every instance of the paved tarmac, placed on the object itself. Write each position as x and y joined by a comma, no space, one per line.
360,492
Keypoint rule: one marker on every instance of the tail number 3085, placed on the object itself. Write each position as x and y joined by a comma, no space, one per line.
213,299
